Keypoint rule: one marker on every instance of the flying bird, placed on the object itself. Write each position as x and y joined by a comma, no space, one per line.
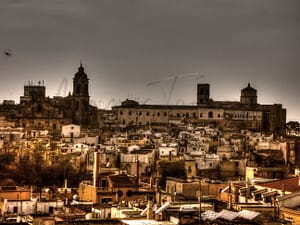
7,53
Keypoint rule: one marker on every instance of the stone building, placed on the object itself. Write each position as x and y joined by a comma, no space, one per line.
36,111
243,114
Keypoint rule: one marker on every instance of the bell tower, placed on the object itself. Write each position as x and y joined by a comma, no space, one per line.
81,98
202,94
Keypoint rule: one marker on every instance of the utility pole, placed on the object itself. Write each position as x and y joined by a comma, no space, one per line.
200,195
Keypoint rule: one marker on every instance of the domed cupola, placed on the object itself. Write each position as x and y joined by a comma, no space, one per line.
80,74
249,95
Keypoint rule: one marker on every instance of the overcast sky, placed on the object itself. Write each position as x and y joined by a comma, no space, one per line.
154,51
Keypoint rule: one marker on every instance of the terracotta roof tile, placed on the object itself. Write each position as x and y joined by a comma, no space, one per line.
121,181
289,184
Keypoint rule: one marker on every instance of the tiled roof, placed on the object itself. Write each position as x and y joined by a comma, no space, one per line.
289,184
121,181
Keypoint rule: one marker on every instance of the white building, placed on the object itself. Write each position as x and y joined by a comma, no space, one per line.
26,207
70,131
167,150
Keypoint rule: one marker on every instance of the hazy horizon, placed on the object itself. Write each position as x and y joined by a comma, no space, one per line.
153,51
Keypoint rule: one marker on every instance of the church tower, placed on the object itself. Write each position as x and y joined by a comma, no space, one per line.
202,94
81,98
249,95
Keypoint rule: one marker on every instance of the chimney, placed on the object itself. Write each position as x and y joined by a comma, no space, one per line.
96,169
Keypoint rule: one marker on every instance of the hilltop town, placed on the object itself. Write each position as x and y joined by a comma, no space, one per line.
64,161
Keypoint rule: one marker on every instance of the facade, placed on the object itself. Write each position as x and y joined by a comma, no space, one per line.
38,112
14,193
245,114
26,207
70,132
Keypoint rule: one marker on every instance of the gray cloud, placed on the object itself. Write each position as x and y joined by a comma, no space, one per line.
126,44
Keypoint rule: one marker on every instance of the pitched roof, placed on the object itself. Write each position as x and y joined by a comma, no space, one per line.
229,215
122,180
247,214
288,184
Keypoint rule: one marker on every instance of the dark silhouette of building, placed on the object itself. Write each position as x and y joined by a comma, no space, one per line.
202,94
38,112
243,114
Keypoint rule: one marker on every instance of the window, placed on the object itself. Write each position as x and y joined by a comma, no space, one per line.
147,114
219,115
129,113
165,113
210,114
129,193
78,89
200,115
121,112
158,114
